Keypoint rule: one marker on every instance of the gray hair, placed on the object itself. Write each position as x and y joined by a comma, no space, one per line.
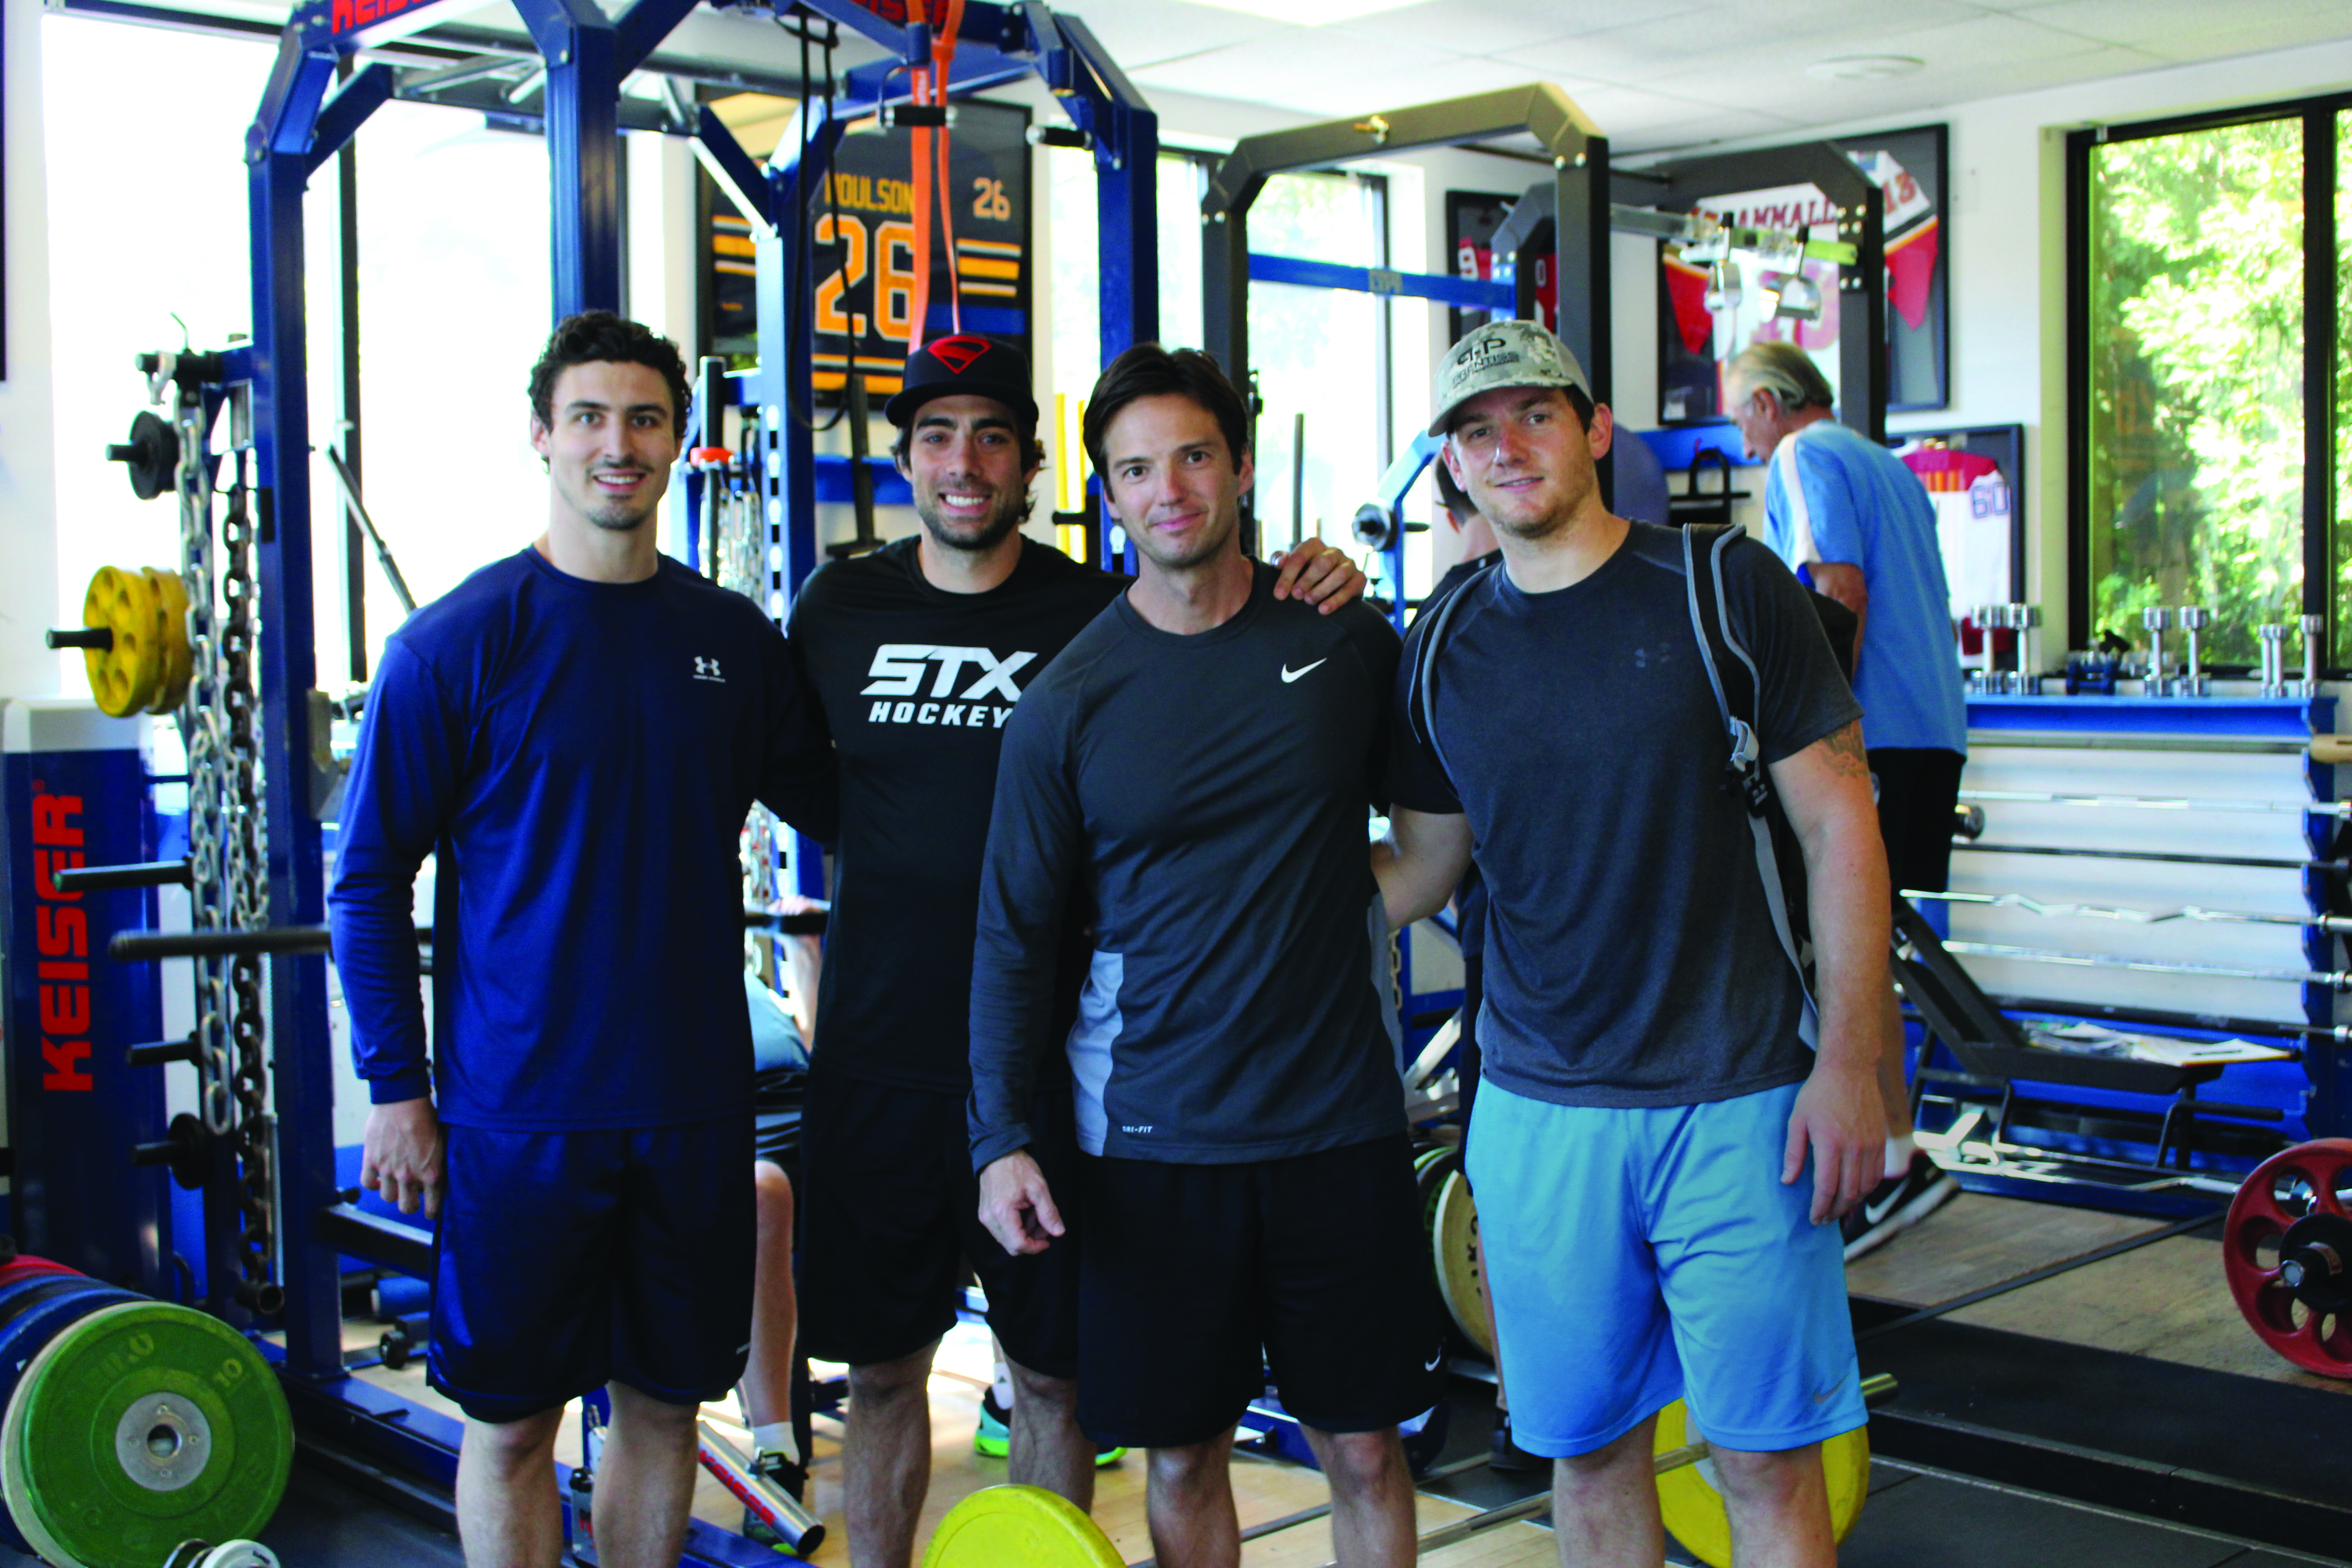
1785,371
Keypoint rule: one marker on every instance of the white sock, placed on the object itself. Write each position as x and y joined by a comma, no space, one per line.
777,1438
1001,1384
1898,1156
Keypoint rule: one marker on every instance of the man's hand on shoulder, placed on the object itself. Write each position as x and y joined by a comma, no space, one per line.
1320,575
1016,1205
1840,1117
400,1155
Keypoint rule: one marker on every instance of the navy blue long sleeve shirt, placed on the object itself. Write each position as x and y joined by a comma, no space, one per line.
579,757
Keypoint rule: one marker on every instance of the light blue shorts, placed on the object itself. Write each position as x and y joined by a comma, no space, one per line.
1644,1255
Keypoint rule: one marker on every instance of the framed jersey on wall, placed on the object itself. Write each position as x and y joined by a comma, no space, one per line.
862,229
1695,340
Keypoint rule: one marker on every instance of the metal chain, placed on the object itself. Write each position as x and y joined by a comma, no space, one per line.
245,875
742,562
201,735
227,858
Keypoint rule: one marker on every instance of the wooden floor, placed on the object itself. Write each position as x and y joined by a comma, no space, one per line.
1264,1489
2167,1300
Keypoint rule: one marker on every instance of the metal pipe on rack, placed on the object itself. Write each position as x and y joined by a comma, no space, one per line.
2336,925
2331,980
2342,808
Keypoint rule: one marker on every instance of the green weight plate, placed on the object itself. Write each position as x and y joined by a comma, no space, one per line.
139,1427
1455,1244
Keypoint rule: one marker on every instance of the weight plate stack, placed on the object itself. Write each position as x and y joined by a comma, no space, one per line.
127,677
134,1425
171,631
1692,1504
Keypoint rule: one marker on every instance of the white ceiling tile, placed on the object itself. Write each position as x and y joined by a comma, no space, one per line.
1495,26
1139,35
1728,34
2199,30
1774,79
1434,80
1268,68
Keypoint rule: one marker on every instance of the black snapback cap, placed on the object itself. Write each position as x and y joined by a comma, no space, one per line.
966,362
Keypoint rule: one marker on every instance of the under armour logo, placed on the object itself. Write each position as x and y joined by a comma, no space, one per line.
708,669
960,351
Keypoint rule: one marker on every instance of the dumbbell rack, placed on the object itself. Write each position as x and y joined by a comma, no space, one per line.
2178,731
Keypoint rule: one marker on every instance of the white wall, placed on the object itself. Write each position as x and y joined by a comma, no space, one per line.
28,551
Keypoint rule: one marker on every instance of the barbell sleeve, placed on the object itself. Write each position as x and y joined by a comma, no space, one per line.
137,874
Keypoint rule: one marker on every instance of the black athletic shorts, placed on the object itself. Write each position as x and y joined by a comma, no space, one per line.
1918,789
889,1221
1197,1279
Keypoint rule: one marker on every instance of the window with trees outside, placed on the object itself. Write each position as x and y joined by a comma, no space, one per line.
2209,377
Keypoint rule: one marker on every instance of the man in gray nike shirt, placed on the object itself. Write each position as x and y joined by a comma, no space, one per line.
1192,777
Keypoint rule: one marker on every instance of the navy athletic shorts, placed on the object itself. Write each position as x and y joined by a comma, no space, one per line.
1200,1279
566,1260
890,1225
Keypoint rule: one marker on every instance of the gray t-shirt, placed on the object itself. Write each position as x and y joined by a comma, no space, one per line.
1204,799
1630,957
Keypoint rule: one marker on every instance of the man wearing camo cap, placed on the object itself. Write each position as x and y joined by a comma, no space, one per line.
1650,1102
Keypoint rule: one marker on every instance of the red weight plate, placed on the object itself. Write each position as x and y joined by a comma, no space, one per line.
2320,1342
24,1264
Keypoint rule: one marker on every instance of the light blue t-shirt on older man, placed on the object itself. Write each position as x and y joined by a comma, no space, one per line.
1834,495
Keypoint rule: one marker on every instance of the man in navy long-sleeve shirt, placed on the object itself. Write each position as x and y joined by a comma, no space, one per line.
575,734
1194,773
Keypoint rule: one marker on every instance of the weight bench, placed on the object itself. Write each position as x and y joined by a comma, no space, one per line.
1994,1053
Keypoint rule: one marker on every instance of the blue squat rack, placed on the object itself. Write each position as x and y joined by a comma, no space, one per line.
312,105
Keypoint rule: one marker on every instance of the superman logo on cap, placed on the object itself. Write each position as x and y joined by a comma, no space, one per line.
960,352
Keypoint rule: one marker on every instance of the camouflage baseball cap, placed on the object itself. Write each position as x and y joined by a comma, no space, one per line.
1502,353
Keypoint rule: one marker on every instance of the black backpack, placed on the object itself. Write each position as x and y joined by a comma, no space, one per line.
1731,674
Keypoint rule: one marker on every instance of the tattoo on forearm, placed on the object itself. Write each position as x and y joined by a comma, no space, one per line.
1845,750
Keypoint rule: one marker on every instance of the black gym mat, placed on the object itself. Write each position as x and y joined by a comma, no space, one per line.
2242,1456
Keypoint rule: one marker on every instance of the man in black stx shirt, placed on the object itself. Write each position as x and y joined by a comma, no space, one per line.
917,655
1194,773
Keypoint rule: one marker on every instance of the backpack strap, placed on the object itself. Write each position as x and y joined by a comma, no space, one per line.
1421,693
1731,674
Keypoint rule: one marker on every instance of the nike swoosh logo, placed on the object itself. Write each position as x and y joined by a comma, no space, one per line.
1289,675
1873,1212
1430,1364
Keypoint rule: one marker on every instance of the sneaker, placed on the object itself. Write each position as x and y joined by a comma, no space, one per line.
1897,1204
995,1435
1508,1457
778,1467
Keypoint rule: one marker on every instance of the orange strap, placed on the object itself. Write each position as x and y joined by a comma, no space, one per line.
931,170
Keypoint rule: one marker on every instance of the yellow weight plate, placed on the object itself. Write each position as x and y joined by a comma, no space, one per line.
1456,1246
1693,1507
171,634
125,678
1018,1527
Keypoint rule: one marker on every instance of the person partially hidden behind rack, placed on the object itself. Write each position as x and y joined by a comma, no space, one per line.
1844,513
575,733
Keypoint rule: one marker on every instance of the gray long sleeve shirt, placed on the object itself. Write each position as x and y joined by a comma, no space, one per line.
1202,799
